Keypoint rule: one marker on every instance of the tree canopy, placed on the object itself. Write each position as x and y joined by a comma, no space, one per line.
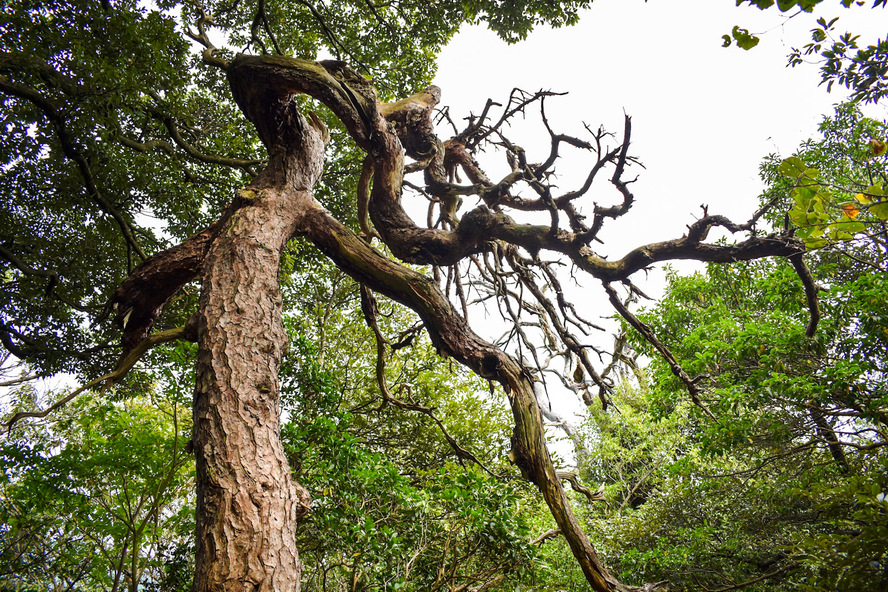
843,57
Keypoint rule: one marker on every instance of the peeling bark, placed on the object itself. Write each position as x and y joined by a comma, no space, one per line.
247,503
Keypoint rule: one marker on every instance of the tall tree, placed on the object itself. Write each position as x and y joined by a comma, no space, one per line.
95,500
110,119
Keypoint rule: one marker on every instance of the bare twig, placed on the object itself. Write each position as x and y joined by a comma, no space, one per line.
370,311
650,337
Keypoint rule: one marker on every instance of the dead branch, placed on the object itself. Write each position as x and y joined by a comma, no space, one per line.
573,478
650,337
370,310
549,534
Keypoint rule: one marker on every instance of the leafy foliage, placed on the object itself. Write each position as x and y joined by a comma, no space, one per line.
785,490
680,512
861,69
394,508
789,482
95,499
839,183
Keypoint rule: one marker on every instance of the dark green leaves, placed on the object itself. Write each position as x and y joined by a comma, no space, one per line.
783,5
861,69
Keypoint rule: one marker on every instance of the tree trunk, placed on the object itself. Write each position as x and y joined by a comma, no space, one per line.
247,502
260,85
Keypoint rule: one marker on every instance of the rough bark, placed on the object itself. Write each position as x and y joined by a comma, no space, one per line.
260,85
140,299
247,502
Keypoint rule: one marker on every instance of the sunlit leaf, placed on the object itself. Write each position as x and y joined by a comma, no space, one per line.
792,167
815,243
880,210
851,210
875,190
862,198
744,39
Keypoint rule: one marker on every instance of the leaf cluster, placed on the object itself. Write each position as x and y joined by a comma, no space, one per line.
390,512
861,69
96,498
784,488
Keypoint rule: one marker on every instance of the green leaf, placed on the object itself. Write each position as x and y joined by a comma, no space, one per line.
880,210
876,190
744,39
792,167
850,226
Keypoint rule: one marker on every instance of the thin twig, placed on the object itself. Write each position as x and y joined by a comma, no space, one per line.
369,309
650,337
122,369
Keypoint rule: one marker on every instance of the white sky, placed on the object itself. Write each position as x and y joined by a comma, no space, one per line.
703,116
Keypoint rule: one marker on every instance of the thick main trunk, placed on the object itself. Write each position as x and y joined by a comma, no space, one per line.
247,502
262,87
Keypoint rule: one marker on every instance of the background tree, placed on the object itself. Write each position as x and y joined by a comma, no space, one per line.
842,57
98,498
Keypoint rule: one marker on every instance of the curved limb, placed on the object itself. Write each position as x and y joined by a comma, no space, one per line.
123,367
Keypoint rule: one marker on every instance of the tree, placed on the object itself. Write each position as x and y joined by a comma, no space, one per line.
94,500
96,143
